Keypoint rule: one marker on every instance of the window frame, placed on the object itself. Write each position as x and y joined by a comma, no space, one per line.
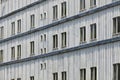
1,32
55,12
32,21
55,41
63,9
82,34
63,39
93,32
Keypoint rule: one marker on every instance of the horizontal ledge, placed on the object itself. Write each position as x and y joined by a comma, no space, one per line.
82,14
63,51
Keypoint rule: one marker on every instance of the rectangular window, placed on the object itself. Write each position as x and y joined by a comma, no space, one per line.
1,55
18,78
82,74
55,41
93,31
55,76
116,25
82,5
19,26
1,32
41,51
32,78
93,73
32,48
64,75
45,15
44,50
63,9
116,72
55,12
12,53
19,52
64,39
92,3
32,21
82,34
13,28
44,37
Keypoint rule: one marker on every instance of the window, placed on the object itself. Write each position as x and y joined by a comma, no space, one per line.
92,3
55,76
41,66
19,52
64,75
93,31
44,37
64,41
44,15
82,74
44,65
32,48
32,78
63,9
55,12
116,25
41,16
82,5
44,50
116,72
1,55
55,41
1,32
18,78
82,34
93,73
32,21
13,28
41,51
19,26
12,53
41,38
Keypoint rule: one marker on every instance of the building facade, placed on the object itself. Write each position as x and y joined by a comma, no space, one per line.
59,39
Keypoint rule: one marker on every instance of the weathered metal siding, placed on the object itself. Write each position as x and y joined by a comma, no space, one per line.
103,57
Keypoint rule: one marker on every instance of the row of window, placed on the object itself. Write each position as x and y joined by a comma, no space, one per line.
116,74
93,36
55,16
13,54
32,19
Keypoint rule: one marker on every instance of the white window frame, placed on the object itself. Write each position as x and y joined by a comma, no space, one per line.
63,9
12,53
82,74
32,21
55,12
55,41
19,52
13,28
19,24
82,5
63,39
1,32
82,34
32,48
93,32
